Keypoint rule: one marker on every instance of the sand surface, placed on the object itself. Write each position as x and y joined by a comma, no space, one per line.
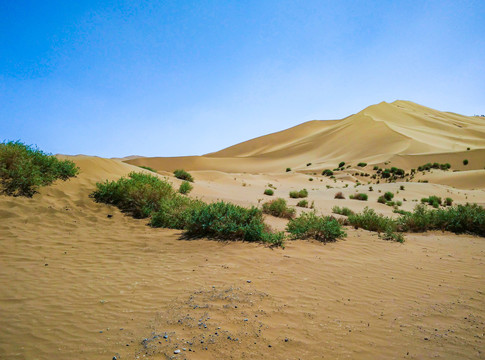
81,280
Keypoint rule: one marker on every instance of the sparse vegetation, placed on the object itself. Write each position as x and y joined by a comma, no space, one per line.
309,225
288,169
434,201
362,164
448,201
429,166
185,187
278,208
302,203
465,162
342,164
308,164
299,194
342,211
327,172
183,175
24,169
339,195
370,220
268,192
360,196
148,168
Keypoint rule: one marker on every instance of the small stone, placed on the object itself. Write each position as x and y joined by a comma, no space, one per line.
286,339
109,216
177,351
269,345
426,338
245,319
114,358
165,336
248,281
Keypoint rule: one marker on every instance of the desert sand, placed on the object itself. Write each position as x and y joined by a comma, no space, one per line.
81,280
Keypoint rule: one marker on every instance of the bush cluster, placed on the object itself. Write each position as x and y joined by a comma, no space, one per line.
429,166
327,172
185,187
339,195
309,225
278,208
268,192
183,175
299,194
144,195
434,201
148,168
24,168
362,164
360,196
370,220
342,210
302,203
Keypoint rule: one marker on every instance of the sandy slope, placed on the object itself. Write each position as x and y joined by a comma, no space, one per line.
78,284
375,135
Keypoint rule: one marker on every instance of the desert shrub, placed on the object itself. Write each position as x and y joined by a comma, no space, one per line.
308,164
434,201
342,210
401,187
371,188
268,192
421,219
448,201
288,169
465,162
279,208
362,164
393,236
139,194
376,167
370,220
183,175
185,187
173,212
299,194
360,196
227,221
327,172
309,225
342,164
302,203
24,168
310,179
339,195
388,196
147,168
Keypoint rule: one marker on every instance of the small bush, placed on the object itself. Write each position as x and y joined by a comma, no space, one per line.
362,164
299,194
302,203
185,187
342,210
448,201
308,164
327,172
360,196
183,175
401,187
393,236
465,162
309,225
288,169
147,168
376,167
173,212
370,220
268,192
342,164
24,168
339,195
388,196
434,201
278,208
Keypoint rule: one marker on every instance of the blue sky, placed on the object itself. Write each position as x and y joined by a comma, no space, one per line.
169,78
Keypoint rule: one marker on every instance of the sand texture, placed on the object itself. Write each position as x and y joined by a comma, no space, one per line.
81,280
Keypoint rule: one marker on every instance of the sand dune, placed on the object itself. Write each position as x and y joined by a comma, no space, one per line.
375,135
81,280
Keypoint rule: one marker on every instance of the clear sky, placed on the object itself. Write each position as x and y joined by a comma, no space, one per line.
169,78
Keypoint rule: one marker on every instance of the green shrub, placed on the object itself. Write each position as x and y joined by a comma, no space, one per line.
288,169
392,236
342,211
147,168
376,167
183,175
339,195
139,194
370,220
388,196
185,187
360,196
309,225
327,172
268,192
434,201
362,164
401,187
279,208
299,194
173,212
24,168
227,221
465,162
308,164
342,164
448,201
302,203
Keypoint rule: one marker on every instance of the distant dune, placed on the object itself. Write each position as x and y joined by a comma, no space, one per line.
400,131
